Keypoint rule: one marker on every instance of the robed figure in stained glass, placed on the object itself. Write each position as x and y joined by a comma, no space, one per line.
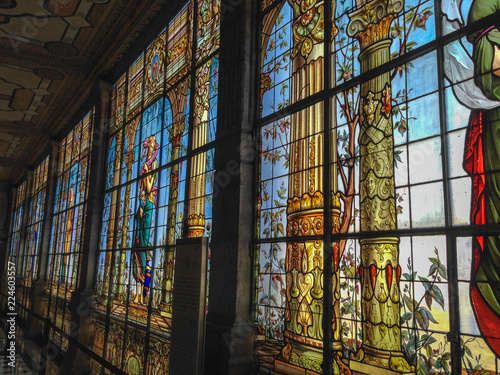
482,161
147,203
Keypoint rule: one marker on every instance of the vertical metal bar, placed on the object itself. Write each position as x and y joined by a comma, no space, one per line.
451,249
327,245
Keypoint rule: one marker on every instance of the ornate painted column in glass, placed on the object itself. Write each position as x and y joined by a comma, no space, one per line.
112,219
24,225
175,136
39,286
304,259
129,156
380,270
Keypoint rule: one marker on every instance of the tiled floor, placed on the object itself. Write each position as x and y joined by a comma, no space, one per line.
20,367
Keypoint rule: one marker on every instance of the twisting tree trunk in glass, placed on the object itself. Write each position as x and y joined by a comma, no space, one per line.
380,270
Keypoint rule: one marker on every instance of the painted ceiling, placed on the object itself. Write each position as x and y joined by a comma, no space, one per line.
52,52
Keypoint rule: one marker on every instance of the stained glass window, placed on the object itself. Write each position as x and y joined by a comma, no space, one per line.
208,28
135,84
402,136
291,32
155,69
159,186
68,225
33,237
179,45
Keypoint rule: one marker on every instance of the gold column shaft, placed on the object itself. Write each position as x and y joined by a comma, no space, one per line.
380,269
175,139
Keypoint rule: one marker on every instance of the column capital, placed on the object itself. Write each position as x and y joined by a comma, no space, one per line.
29,173
54,146
106,89
371,22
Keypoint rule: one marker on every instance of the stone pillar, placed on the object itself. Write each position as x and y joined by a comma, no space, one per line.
4,224
82,299
380,270
230,338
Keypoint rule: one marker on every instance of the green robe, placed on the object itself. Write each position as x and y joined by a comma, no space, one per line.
487,276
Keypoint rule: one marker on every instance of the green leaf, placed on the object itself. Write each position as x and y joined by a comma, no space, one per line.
422,320
429,340
442,272
280,19
406,317
409,16
410,45
422,368
397,155
437,295
446,367
274,251
267,267
282,264
439,363
428,300
280,229
434,292
433,268
467,350
470,364
428,351
410,303
426,314
435,261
